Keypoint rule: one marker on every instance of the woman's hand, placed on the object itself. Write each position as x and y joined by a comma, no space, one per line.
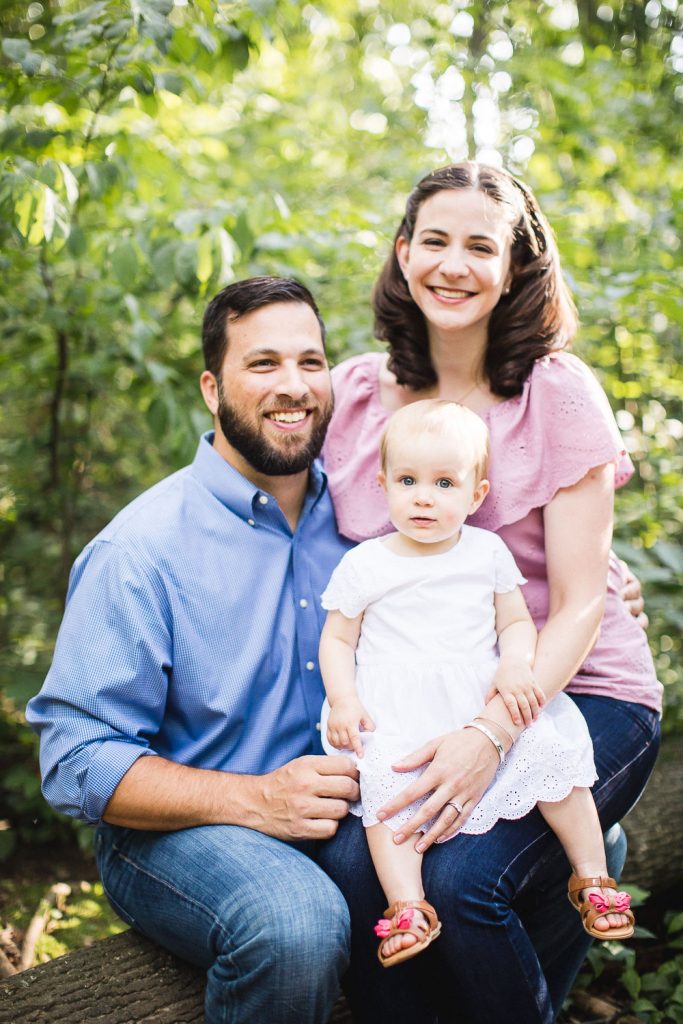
462,767
633,596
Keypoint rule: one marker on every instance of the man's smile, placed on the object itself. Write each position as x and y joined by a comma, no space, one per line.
288,419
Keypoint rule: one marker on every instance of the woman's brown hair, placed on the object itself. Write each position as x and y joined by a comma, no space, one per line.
537,316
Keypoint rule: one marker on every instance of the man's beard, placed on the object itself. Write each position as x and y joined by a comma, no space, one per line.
259,452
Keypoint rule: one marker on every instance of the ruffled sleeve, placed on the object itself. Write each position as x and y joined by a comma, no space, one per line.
507,575
345,591
350,454
549,437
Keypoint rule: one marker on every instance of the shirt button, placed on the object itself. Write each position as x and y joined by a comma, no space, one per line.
251,522
263,500
303,603
310,665
317,726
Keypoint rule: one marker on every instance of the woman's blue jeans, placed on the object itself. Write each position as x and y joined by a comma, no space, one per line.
270,929
511,943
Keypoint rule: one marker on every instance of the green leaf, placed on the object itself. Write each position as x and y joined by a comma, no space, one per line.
205,258
630,979
236,52
671,555
24,211
187,221
70,183
39,138
206,38
243,234
157,417
32,63
16,49
8,842
163,262
185,262
76,242
124,261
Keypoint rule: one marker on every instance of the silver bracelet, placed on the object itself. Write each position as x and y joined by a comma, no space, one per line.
489,735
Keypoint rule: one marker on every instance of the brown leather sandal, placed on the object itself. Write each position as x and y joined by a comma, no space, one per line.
397,921
596,905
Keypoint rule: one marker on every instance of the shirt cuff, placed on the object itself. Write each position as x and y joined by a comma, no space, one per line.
105,771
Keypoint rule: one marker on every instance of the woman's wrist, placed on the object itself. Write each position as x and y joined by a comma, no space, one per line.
498,729
490,730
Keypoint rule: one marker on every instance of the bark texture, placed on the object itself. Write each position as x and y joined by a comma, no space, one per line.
655,826
122,980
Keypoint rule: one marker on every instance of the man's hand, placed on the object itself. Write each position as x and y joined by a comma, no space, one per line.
632,594
347,718
514,681
305,799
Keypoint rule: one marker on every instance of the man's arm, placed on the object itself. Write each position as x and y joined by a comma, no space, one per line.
106,695
304,799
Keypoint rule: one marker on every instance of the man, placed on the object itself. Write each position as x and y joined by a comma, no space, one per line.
180,714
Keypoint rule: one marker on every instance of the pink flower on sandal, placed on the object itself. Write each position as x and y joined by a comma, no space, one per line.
622,901
619,903
383,927
598,901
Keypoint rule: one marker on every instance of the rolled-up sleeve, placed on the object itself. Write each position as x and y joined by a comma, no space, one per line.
104,698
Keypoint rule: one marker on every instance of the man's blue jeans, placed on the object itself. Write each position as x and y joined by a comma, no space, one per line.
270,929
511,943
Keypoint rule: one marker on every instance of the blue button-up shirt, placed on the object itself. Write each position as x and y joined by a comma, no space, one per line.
191,631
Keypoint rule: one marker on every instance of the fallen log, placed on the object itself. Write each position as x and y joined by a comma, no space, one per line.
129,980
122,980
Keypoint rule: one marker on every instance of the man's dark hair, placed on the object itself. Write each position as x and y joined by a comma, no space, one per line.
241,298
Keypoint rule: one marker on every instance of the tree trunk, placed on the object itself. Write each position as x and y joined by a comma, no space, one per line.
655,826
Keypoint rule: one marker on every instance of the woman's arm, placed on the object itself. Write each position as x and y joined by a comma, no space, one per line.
578,534
578,531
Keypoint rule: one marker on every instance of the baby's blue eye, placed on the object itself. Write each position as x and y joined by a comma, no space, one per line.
444,482
407,481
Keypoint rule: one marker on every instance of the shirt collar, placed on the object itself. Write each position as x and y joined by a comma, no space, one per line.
234,490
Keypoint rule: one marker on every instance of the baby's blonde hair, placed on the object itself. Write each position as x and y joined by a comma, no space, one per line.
446,419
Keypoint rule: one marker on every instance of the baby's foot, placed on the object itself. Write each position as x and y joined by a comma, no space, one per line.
605,913
409,918
602,898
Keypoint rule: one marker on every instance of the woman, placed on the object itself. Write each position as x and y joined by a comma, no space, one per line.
474,309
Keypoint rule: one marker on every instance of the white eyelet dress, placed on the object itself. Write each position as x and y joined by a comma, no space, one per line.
425,660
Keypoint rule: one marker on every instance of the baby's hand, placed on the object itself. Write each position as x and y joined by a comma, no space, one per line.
346,719
514,681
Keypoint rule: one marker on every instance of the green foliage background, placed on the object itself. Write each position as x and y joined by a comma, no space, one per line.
151,152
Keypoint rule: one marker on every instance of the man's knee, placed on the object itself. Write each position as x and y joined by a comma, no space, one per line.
297,924
306,925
